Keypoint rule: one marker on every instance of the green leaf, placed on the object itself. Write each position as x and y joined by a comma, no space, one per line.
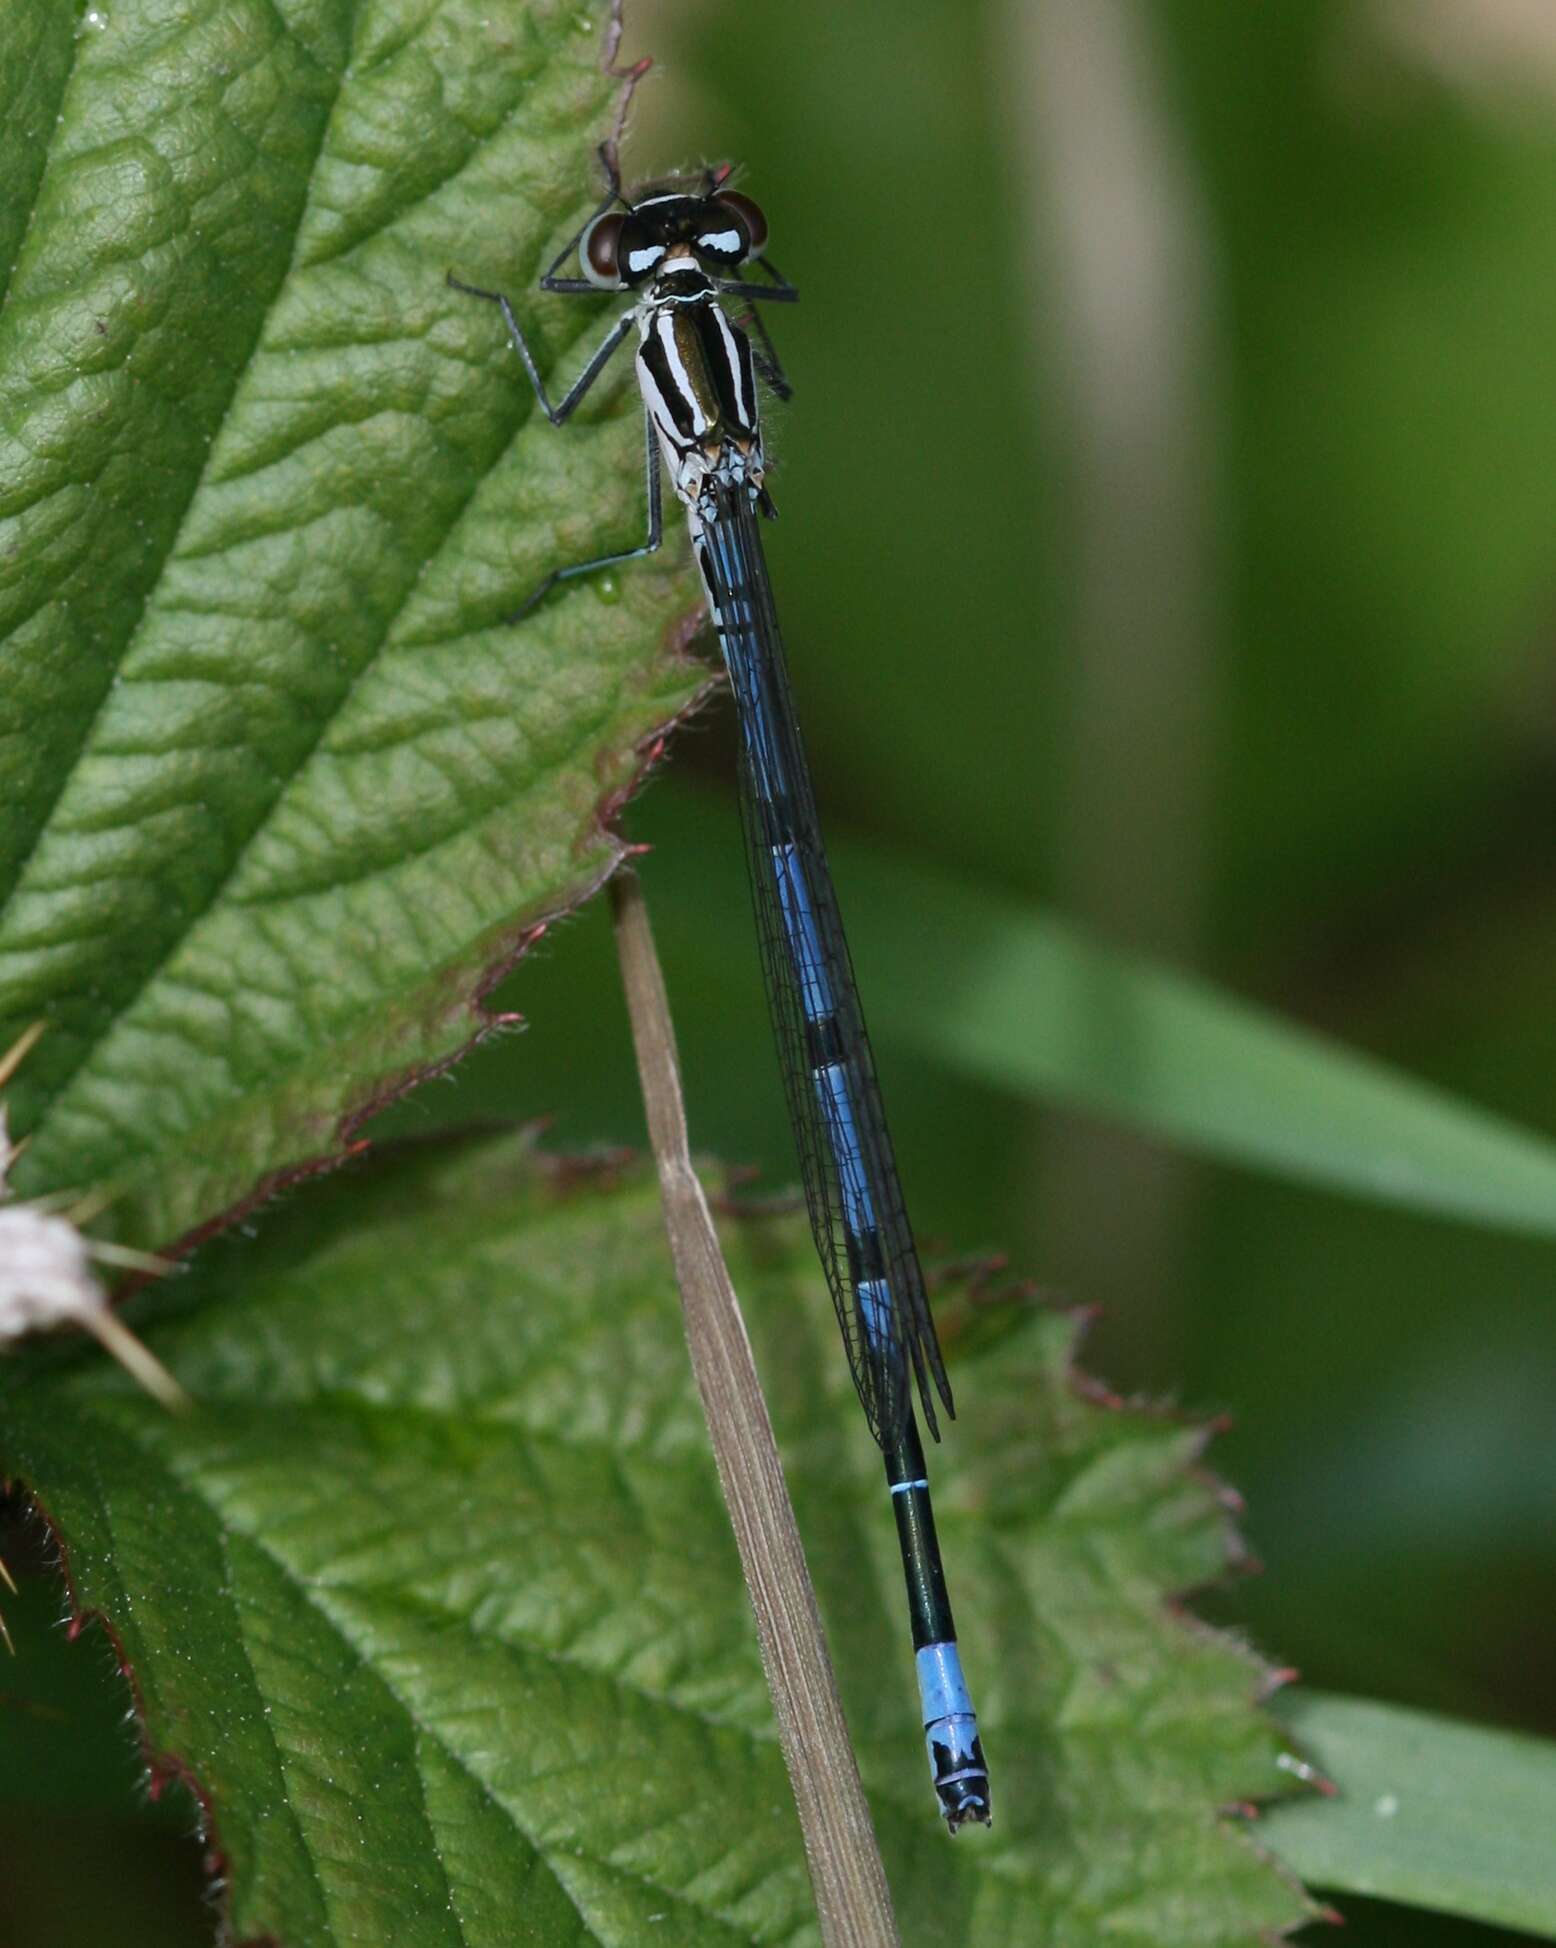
1429,1812
282,795
435,1593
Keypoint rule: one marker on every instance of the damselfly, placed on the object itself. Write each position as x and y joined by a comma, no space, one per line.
679,246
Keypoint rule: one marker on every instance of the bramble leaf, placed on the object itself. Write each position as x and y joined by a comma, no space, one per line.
435,1596
283,794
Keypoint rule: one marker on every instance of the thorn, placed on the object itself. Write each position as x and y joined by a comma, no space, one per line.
93,1203
19,1051
7,1578
55,1203
1299,1768
5,1637
131,1259
138,1361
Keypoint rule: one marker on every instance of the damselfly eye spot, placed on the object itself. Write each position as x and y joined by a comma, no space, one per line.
600,251
724,244
640,250
750,217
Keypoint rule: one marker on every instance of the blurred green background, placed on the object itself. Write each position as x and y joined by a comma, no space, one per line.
1168,539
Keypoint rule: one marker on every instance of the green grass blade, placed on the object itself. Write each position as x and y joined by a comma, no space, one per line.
1431,1813
1023,1002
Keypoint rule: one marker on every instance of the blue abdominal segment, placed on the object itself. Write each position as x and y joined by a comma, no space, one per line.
851,1184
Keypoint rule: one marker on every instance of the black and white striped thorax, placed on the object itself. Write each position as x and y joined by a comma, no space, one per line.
699,383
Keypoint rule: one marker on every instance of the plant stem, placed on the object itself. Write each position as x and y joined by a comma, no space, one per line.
852,1898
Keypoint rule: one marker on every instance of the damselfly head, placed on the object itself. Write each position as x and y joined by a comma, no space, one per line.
625,248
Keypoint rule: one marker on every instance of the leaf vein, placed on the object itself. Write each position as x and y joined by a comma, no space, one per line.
43,173
68,771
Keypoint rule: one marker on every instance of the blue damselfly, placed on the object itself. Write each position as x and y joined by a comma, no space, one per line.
679,246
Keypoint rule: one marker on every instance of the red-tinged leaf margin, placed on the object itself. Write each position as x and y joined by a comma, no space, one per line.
474,997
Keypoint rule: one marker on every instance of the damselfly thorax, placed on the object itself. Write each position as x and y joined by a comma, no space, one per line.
698,380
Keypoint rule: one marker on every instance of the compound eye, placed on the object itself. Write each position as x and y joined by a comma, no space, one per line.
600,251
750,216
